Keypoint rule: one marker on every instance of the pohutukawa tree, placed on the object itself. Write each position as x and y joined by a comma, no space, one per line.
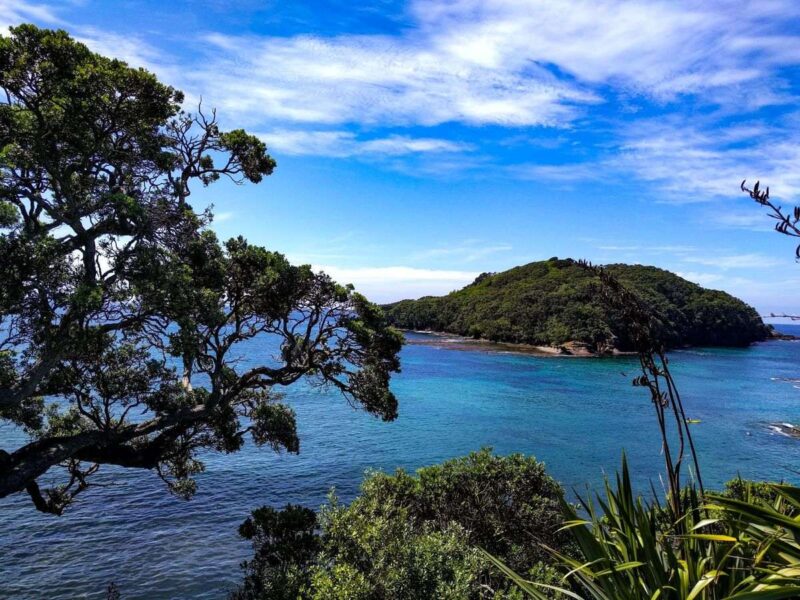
121,314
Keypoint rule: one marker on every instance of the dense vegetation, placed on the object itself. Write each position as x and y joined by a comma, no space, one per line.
485,526
413,537
550,303
741,544
121,308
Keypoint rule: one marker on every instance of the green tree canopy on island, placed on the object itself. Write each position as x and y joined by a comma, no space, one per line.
556,301
121,314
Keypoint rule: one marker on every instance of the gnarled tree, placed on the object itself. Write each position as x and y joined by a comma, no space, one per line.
122,317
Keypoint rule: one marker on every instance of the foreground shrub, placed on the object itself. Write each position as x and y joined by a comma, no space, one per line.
390,557
418,536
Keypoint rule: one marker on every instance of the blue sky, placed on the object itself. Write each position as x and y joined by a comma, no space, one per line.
420,143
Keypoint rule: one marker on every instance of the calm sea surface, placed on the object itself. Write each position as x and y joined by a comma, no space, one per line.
577,415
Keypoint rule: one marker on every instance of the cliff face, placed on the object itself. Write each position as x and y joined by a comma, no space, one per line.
553,302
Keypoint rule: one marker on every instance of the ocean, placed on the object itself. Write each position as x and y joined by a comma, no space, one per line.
575,414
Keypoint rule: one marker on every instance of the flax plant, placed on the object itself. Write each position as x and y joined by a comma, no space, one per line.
632,549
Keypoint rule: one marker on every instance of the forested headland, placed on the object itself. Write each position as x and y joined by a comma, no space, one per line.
555,303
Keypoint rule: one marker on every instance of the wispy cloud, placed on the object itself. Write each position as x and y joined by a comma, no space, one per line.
14,12
345,247
677,249
403,80
754,220
467,251
221,217
387,284
704,279
769,296
734,261
477,62
340,143
689,160
659,48
695,255
695,162
511,63
132,50
373,274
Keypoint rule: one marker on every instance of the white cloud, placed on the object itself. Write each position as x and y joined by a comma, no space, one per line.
467,251
138,52
691,159
301,142
14,12
490,62
339,143
694,160
387,284
506,62
223,216
755,220
615,248
704,279
767,296
384,80
398,144
377,274
512,63
132,50
678,249
656,47
734,261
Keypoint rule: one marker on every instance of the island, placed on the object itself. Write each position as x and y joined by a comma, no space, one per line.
554,305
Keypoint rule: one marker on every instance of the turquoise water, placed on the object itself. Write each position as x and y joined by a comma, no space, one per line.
577,415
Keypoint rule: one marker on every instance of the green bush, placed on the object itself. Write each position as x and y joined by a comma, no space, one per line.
370,557
415,536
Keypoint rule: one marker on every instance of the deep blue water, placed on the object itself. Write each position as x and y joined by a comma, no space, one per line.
577,415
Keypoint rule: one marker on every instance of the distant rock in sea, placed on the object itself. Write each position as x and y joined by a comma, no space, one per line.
786,429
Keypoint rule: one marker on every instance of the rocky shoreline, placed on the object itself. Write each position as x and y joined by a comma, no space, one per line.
777,335
572,349
568,349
